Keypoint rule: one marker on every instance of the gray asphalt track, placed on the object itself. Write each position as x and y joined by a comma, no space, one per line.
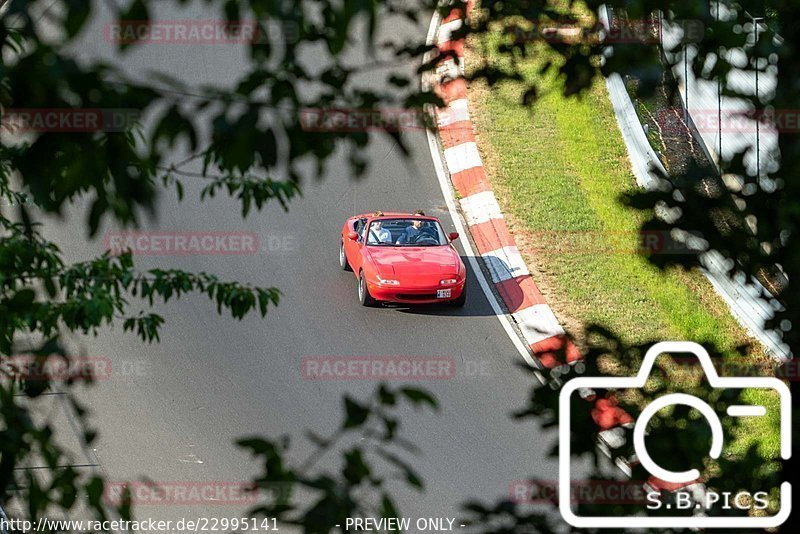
170,411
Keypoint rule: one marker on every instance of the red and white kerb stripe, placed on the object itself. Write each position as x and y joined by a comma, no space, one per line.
614,424
496,245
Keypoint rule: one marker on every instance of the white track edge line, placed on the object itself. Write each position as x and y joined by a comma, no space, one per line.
444,184
447,193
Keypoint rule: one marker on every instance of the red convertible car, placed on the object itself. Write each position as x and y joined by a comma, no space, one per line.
402,257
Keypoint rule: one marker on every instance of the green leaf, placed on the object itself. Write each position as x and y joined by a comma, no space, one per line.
419,397
355,414
399,81
388,508
410,475
386,396
78,12
137,12
257,445
21,301
232,13
355,469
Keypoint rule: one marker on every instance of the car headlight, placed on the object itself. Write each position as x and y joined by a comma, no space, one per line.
448,281
388,282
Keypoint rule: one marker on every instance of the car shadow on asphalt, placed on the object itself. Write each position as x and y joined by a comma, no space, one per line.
477,303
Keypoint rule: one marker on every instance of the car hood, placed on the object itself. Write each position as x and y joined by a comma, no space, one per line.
414,261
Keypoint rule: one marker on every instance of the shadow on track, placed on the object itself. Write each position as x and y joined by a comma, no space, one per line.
477,303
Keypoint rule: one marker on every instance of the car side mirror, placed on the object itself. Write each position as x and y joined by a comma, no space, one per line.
352,236
453,236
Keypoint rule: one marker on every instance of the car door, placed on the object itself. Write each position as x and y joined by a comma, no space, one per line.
352,249
358,249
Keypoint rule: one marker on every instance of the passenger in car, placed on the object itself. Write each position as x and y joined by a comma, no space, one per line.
378,234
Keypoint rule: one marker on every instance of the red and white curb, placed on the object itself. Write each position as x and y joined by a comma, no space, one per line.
540,329
543,335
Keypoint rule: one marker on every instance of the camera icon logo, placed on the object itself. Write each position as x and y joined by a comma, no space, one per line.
640,426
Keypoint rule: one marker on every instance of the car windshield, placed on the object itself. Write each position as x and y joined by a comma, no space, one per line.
405,232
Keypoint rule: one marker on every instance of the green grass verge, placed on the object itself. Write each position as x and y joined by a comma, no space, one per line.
558,169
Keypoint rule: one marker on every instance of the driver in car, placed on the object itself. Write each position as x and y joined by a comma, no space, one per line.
413,232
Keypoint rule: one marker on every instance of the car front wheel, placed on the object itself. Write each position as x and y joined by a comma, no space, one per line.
461,300
343,263
363,292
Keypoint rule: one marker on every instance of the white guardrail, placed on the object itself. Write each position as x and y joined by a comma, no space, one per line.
749,301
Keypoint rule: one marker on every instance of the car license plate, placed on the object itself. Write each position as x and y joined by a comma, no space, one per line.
443,293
